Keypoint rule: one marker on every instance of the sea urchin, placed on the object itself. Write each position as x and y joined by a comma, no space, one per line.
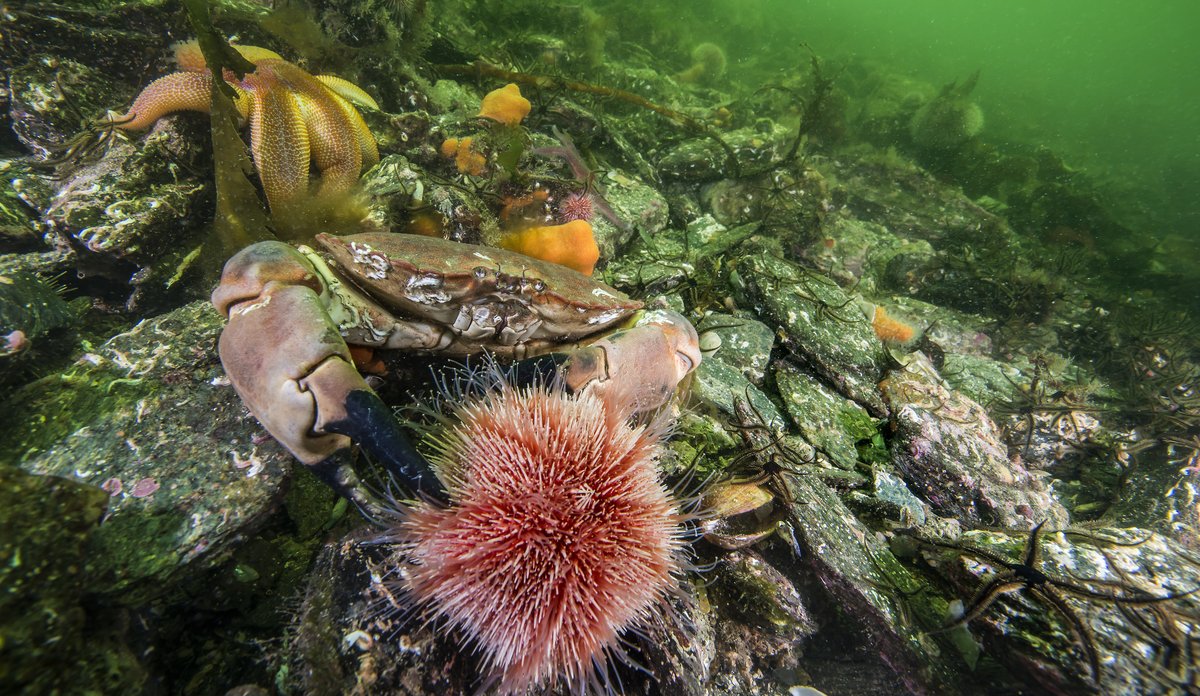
559,536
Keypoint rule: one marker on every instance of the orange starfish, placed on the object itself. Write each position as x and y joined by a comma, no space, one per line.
295,118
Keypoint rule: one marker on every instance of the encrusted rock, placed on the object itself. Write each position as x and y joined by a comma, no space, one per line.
866,581
952,455
703,159
354,633
150,418
823,326
30,308
747,587
133,216
53,98
45,647
868,254
829,421
743,344
1139,647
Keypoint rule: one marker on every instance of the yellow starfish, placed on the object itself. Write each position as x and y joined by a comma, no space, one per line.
294,118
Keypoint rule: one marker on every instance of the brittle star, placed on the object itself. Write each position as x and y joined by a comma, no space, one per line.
1027,576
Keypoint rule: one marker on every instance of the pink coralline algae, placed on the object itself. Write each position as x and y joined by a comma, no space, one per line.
144,488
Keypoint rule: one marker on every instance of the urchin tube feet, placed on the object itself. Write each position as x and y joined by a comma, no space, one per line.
543,369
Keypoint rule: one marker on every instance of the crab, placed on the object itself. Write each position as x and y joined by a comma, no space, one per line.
293,310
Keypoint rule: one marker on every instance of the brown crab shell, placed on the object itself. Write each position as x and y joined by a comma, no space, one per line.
432,279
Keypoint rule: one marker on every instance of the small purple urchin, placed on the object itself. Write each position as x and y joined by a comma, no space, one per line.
575,206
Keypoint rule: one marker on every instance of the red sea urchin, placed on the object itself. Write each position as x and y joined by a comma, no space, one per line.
559,536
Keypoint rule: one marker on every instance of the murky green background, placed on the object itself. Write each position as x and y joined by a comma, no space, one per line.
1110,83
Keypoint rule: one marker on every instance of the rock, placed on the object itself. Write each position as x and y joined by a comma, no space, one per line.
151,418
45,644
689,259
743,344
789,205
891,499
830,422
981,378
745,586
703,159
867,254
1161,493
952,455
719,387
640,208
1138,647
891,610
393,187
30,309
46,264
823,327
131,218
908,201
352,633
18,221
949,119
119,38
52,98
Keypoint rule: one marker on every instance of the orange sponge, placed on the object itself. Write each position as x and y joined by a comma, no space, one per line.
465,157
505,105
572,245
891,329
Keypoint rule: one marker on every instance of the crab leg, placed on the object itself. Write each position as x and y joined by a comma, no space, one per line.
292,368
634,370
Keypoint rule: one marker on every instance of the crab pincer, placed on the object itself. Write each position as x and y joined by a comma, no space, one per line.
292,312
294,372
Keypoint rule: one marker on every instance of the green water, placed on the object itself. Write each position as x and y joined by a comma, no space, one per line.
940,411
1112,85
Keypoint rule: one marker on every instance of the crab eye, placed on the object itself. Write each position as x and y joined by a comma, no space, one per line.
480,272
685,362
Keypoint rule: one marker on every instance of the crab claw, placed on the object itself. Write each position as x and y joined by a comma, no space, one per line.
637,369
289,364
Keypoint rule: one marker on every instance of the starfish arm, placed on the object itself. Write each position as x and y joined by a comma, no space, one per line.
366,141
1141,599
349,91
280,145
188,56
335,148
181,91
1033,545
986,556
